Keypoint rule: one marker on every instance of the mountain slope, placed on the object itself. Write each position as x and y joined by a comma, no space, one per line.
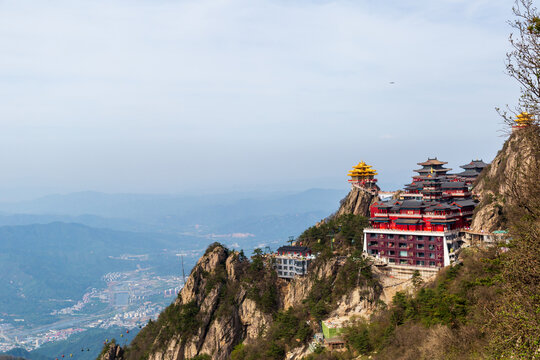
357,202
510,180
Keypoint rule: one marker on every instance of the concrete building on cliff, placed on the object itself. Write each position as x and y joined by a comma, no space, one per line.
292,261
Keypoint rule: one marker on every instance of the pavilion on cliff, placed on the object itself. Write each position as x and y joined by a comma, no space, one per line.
363,176
523,120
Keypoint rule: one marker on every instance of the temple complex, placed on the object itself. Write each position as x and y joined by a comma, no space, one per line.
363,176
433,183
422,230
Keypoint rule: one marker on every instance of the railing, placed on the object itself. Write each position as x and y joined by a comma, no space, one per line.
408,231
426,216
398,215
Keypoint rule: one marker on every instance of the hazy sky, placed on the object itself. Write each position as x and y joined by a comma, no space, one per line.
180,96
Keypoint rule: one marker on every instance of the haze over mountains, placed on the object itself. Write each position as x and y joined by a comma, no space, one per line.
170,213
56,248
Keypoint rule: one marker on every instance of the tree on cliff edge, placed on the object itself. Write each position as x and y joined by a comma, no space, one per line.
523,61
514,322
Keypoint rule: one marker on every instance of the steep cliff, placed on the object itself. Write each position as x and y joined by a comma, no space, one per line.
357,202
510,179
215,311
230,302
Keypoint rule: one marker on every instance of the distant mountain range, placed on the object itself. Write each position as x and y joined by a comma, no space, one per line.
174,214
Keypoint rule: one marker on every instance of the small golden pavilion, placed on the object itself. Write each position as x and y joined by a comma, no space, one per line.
523,120
362,174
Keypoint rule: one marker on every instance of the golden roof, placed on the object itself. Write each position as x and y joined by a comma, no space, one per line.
362,170
524,119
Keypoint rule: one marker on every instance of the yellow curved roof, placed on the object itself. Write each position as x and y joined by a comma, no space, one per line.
362,170
524,118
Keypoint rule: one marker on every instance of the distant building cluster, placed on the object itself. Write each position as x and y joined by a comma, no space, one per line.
172,292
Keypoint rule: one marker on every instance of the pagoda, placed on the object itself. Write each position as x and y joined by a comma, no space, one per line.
472,170
363,176
432,168
523,120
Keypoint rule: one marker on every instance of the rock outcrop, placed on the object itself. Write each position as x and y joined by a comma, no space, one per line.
224,302
114,352
225,316
217,293
295,291
357,202
512,174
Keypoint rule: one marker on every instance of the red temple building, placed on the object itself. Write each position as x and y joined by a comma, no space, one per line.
472,170
422,228
433,183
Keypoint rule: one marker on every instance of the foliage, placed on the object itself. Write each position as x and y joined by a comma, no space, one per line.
324,294
213,246
106,347
358,337
177,318
346,230
260,281
441,320
288,330
515,316
201,357
523,60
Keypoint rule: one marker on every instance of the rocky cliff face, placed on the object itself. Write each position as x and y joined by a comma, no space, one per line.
294,292
221,315
357,202
228,300
511,176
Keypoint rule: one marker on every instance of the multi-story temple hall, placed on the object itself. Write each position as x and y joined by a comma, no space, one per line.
422,229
